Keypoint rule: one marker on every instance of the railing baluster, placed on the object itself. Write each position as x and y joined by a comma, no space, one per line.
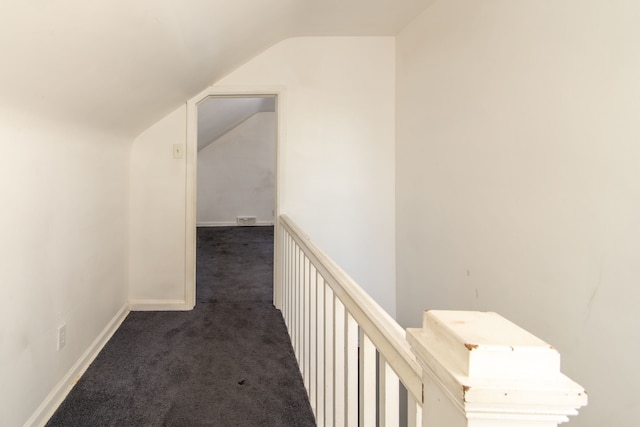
307,329
352,373
389,403
278,277
339,378
367,381
285,282
328,355
292,288
289,286
296,305
292,284
320,289
294,292
414,412
313,342
300,319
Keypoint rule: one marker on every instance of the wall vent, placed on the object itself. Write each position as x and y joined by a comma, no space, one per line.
246,220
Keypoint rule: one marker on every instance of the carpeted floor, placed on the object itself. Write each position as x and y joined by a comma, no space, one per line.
235,264
229,362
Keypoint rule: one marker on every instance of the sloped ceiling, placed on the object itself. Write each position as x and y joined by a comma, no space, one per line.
122,64
217,116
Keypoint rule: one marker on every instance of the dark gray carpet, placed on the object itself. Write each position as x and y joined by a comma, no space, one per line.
235,264
226,363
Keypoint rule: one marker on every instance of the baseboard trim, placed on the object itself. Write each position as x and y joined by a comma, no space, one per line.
159,305
62,389
231,224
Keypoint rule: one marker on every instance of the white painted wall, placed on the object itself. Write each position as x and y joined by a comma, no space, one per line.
63,231
337,177
517,179
336,171
157,215
236,174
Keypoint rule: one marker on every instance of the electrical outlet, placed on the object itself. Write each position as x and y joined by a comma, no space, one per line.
62,336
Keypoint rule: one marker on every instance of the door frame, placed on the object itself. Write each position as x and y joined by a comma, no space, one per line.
191,151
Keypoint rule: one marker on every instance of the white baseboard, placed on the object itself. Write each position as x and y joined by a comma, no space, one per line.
230,224
159,305
62,389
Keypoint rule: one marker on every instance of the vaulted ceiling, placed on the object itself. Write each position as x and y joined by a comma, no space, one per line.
121,64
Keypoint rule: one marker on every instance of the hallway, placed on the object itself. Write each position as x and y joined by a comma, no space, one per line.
229,362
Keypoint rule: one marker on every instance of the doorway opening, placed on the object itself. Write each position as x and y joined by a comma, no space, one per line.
232,145
235,199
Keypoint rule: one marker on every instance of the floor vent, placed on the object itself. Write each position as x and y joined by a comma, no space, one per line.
246,220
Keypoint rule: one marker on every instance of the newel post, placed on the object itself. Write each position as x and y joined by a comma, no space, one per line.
480,370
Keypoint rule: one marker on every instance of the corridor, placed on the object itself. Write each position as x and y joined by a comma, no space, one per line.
228,362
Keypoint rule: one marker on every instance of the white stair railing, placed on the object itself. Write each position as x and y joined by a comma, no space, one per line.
351,353
461,369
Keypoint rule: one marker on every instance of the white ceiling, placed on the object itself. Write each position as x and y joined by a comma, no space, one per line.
122,64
